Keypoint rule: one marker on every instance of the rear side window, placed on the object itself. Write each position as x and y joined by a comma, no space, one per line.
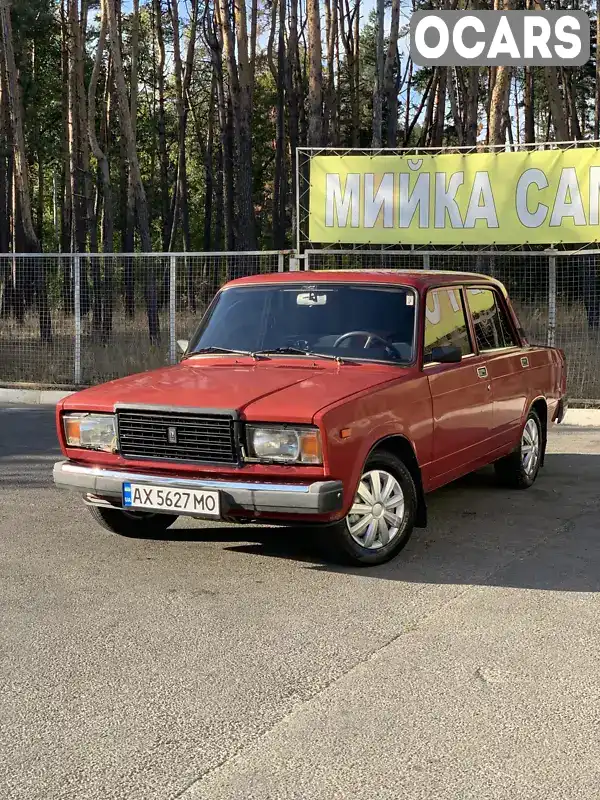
492,328
445,322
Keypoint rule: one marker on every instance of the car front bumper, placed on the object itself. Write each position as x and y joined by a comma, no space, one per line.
322,497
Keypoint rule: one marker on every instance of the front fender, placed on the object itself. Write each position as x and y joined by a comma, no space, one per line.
355,427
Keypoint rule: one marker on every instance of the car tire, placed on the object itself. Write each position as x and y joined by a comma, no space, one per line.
520,469
132,524
385,480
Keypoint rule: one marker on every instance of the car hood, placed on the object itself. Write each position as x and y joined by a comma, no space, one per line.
267,390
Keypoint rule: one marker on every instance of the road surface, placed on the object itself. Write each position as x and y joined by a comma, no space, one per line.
226,663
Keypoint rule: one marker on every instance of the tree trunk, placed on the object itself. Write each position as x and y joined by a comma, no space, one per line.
470,126
356,70
499,106
163,157
597,103
136,176
376,137
426,96
66,195
243,118
213,34
133,104
315,75
102,314
82,123
293,91
21,169
280,191
240,87
390,79
555,102
7,299
330,131
528,106
78,233
454,106
15,108
207,152
407,101
4,186
437,137
571,104
427,125
219,201
499,92
183,79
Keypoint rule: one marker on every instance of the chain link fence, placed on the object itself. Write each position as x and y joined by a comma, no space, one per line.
556,295
76,320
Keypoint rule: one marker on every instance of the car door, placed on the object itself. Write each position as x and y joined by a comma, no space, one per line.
460,392
507,362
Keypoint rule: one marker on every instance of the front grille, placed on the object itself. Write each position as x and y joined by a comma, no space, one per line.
204,438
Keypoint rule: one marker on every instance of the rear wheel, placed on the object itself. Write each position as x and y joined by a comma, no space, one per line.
520,469
133,524
382,517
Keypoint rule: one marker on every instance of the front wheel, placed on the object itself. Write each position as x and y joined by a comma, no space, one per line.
133,524
520,469
382,517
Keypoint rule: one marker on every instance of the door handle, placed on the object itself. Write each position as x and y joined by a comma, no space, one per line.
482,372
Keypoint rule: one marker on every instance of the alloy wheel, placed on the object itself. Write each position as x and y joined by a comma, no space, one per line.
530,447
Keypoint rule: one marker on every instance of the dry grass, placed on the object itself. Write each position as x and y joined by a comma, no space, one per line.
24,360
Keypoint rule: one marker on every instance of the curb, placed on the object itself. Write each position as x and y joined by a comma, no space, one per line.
33,397
582,417
579,417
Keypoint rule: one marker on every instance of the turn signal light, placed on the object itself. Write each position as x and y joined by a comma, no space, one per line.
73,431
310,447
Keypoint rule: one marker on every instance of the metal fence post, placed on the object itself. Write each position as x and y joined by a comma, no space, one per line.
551,301
280,263
77,312
294,263
426,263
172,310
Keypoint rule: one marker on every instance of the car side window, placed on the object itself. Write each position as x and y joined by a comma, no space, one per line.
445,322
492,328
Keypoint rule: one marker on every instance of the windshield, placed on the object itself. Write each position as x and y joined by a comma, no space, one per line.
336,320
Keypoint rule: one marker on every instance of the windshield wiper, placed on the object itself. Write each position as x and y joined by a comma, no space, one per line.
292,350
298,351
223,350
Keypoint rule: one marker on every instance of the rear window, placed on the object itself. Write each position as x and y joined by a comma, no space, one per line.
492,327
445,322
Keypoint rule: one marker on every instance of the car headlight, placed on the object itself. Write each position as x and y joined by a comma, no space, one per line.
286,445
91,431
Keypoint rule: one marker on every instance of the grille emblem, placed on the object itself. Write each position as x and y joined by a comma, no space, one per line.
172,434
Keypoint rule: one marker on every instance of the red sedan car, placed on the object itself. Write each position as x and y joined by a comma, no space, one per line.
332,399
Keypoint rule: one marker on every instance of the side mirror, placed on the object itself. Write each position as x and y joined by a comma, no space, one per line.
182,344
447,354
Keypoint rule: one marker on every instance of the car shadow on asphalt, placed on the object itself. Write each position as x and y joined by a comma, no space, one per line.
547,537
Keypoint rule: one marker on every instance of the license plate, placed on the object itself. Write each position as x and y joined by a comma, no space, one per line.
182,501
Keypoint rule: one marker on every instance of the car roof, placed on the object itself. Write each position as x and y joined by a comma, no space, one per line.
418,278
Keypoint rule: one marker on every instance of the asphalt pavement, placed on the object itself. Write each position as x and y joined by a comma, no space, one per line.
223,663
